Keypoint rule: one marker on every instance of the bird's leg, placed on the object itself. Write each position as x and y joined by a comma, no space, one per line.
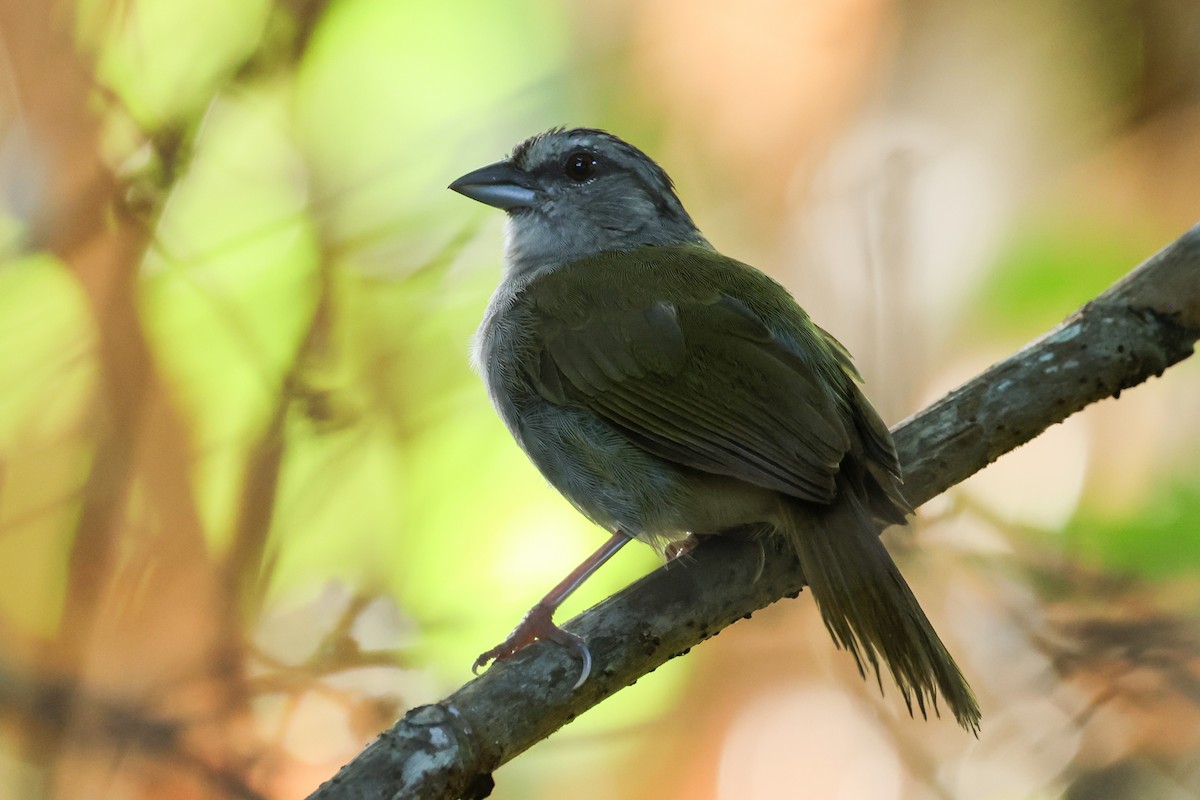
539,622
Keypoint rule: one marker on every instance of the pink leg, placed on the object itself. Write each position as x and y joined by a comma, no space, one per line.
539,622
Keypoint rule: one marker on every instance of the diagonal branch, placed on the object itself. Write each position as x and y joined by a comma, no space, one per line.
1136,329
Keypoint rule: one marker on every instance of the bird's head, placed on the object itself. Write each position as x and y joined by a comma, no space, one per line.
575,193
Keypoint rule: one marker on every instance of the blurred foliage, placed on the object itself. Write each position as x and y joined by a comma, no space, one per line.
164,59
1161,541
1052,266
254,505
45,346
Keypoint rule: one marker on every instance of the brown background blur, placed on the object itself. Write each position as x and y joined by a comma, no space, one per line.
254,505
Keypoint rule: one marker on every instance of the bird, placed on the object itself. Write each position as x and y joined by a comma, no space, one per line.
672,393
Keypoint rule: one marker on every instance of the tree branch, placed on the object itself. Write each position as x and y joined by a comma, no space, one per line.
1139,327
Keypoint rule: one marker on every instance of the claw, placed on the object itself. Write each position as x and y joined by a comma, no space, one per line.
538,624
762,560
682,548
585,656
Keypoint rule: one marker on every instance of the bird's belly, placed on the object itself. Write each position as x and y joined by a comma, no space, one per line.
603,473
620,486
609,479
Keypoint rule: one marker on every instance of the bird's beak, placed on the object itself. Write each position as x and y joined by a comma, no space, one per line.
501,185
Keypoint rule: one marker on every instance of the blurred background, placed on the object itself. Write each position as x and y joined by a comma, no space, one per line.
254,504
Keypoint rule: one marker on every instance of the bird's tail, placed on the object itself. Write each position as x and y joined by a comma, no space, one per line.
870,611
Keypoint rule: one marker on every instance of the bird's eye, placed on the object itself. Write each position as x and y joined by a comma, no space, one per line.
580,166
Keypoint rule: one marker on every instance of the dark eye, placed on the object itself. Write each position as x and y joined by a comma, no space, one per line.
580,166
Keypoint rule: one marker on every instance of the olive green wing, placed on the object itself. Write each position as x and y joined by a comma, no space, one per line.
875,436
694,376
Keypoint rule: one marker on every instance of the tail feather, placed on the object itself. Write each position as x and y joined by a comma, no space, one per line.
871,612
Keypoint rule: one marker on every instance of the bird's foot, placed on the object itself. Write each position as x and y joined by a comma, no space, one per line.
538,624
682,548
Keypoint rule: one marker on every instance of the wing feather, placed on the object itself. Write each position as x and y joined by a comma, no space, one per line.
693,375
